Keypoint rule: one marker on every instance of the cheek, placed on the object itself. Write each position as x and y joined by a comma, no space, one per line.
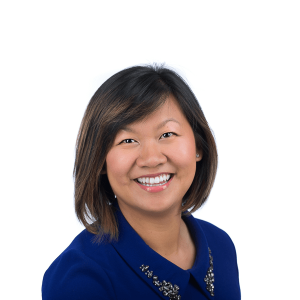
117,166
185,155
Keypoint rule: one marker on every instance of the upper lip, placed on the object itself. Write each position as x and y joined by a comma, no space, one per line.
154,175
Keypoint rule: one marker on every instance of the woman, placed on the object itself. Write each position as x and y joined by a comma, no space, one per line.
145,159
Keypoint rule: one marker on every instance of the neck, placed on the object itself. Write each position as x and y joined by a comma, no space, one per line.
165,233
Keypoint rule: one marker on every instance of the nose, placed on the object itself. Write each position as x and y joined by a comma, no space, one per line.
150,156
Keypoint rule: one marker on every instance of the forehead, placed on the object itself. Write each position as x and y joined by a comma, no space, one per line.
169,112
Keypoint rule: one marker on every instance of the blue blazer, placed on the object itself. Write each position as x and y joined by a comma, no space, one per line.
130,269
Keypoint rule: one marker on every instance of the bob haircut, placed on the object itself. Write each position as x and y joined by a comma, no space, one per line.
129,96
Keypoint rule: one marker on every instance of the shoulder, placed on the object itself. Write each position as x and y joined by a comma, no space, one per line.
219,242
215,234
79,272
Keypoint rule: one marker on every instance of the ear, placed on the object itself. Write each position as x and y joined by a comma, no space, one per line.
199,155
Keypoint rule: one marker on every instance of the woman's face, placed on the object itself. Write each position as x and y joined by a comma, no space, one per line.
152,163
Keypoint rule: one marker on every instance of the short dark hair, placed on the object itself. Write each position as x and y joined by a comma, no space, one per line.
126,97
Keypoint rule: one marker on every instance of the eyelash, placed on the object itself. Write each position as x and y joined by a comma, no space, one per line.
126,140
172,133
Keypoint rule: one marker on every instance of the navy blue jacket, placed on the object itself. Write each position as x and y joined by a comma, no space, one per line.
91,271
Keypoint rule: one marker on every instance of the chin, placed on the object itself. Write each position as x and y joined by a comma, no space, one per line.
160,208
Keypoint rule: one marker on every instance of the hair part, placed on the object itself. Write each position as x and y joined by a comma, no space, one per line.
126,97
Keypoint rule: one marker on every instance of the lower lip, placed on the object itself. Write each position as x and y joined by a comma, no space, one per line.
155,189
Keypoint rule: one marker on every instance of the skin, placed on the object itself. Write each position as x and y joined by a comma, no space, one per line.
144,148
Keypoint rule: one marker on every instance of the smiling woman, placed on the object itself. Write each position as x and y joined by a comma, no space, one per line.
139,166
145,160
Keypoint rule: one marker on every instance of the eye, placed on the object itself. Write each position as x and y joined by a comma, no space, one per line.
167,134
127,141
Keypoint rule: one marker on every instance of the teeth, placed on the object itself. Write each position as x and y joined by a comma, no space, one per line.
159,180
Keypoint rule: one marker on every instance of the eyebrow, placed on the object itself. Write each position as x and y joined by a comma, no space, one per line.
160,125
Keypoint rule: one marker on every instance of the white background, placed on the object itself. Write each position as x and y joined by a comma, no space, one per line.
241,58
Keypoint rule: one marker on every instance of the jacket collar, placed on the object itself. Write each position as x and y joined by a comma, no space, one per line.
132,248
201,264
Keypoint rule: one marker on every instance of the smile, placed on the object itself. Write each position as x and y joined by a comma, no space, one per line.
154,181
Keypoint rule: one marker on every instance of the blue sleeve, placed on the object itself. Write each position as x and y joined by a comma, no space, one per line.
75,276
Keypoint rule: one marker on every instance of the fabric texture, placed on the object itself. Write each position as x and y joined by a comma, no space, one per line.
110,271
